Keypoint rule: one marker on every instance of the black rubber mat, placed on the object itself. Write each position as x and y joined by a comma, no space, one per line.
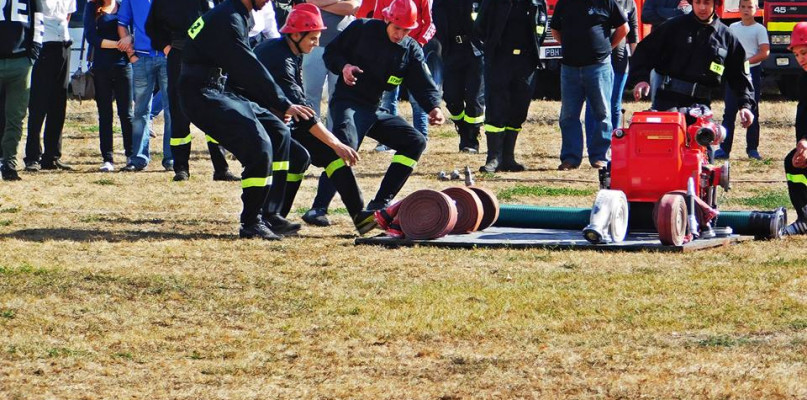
499,237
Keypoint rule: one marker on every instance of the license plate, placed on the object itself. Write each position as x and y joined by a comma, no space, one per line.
550,52
782,62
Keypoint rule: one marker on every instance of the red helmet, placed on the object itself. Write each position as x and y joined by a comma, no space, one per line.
799,35
303,18
403,13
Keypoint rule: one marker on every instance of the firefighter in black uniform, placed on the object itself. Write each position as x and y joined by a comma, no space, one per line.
167,26
796,160
463,88
283,58
240,122
373,56
512,31
693,53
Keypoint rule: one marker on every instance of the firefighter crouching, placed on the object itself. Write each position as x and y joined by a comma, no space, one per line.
796,160
693,53
373,56
283,57
512,31
240,122
463,89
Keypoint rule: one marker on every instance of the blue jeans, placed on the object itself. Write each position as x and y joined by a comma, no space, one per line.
620,78
315,74
420,119
148,72
590,84
730,115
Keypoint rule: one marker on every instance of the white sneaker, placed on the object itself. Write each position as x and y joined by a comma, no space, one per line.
107,167
796,228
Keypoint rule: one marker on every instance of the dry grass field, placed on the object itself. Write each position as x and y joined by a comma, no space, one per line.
130,286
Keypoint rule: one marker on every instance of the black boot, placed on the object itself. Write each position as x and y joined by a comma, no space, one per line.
461,127
472,138
509,163
495,142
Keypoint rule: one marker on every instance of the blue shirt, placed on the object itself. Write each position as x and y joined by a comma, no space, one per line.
134,13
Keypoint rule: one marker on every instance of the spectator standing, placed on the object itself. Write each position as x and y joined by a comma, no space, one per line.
463,88
620,57
49,78
20,43
265,25
337,15
112,75
150,69
754,39
588,32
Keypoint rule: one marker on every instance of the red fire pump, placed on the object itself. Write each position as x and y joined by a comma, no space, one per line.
663,161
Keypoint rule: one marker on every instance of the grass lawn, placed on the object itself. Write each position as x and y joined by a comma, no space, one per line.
133,286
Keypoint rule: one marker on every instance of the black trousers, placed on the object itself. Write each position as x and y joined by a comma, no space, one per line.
509,83
796,186
180,124
351,123
255,136
114,83
49,80
463,86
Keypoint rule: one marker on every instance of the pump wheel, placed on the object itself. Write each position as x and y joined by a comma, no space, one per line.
671,219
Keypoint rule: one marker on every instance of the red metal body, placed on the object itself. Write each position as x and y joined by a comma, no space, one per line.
658,154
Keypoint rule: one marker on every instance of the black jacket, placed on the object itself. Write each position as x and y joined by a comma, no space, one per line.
801,108
492,22
286,68
686,49
19,35
454,20
656,12
364,43
169,20
219,39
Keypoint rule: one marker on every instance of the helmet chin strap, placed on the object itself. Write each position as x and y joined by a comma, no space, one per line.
297,42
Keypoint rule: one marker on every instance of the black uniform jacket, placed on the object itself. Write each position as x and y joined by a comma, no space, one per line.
454,20
286,69
686,49
490,24
365,44
218,39
169,20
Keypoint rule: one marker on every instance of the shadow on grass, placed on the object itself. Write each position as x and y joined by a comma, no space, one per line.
90,235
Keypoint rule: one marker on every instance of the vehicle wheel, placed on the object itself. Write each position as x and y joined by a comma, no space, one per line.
671,219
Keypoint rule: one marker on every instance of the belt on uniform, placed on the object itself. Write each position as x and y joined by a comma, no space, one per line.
460,39
214,76
692,89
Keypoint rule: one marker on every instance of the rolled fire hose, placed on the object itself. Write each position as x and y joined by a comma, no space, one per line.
490,205
760,224
609,218
427,214
469,209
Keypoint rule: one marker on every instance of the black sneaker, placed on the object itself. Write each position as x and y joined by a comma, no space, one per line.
257,230
33,166
9,174
365,221
316,217
56,164
281,225
796,228
131,168
180,176
225,176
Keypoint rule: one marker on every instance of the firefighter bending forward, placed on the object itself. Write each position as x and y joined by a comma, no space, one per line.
373,56
693,53
283,57
240,122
